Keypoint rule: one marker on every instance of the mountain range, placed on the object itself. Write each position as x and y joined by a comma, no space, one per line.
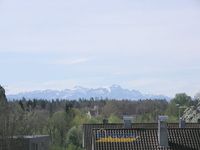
113,92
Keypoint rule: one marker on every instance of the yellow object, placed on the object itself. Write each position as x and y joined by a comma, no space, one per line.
110,139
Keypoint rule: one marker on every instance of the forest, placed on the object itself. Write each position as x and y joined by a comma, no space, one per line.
62,119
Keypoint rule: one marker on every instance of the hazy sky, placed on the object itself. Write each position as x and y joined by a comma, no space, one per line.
148,45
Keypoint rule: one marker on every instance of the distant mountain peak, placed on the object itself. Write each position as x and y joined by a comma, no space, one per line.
113,92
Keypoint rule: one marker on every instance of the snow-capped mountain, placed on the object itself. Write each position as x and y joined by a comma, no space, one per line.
113,92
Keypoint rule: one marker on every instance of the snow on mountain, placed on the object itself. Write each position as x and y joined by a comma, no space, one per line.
113,92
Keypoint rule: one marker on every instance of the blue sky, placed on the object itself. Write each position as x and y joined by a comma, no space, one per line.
152,46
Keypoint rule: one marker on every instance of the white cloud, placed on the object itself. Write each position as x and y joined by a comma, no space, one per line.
70,61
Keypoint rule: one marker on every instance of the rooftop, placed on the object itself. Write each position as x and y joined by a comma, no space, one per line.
146,137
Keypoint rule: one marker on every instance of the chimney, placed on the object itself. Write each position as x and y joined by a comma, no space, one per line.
162,131
128,121
181,123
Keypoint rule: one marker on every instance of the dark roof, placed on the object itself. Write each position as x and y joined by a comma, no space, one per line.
87,129
22,142
146,139
87,132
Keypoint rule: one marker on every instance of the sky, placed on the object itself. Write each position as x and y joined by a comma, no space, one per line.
150,46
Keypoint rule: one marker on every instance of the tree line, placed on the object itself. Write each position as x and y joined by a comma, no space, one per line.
62,119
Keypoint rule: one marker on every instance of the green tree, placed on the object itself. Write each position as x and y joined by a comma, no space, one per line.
74,136
182,99
60,122
79,118
5,130
176,104
114,119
